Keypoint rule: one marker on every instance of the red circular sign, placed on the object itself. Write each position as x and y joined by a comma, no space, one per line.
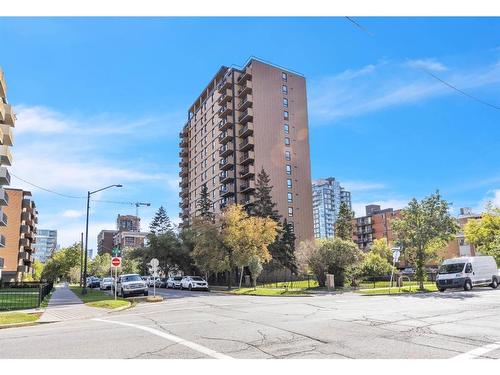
116,261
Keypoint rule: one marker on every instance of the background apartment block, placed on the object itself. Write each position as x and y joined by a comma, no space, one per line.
126,235
7,121
374,225
45,245
19,233
244,120
327,195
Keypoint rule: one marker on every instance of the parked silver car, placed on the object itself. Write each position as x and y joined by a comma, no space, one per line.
130,284
174,282
193,282
106,283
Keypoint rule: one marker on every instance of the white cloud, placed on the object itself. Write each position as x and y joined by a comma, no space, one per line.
354,186
72,214
372,88
428,64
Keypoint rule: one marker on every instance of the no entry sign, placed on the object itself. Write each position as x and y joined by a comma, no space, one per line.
116,261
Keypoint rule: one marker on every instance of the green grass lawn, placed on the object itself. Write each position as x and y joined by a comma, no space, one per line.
17,317
428,287
268,292
18,298
303,284
98,298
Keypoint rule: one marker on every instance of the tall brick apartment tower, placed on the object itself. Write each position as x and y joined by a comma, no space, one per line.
7,121
246,119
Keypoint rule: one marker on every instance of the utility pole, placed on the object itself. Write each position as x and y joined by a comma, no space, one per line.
81,262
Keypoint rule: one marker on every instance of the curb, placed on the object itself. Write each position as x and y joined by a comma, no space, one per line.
257,295
121,308
14,325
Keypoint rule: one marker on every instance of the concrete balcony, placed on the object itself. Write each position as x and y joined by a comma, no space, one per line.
247,172
224,111
246,130
184,193
247,187
2,240
246,202
28,204
245,76
247,158
225,137
226,176
184,163
184,203
4,197
227,191
223,85
183,153
4,176
226,97
247,89
226,150
3,85
226,123
25,256
247,144
24,242
23,269
27,217
9,117
7,136
245,103
5,156
226,164
3,219
184,143
2,110
246,116
184,183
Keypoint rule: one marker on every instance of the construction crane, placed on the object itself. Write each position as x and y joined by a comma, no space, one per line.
137,204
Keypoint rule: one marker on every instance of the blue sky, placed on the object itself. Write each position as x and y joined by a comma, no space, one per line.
101,101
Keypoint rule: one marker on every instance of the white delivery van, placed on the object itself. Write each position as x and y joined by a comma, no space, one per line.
466,272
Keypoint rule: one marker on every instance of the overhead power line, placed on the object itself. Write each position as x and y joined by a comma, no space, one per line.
449,85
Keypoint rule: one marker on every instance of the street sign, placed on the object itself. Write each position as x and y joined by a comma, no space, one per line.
396,252
154,270
115,251
116,261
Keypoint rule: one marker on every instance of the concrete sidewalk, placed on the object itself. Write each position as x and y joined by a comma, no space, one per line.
65,305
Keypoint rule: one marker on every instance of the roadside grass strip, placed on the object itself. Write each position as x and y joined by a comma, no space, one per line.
428,288
268,292
10,318
97,298
192,345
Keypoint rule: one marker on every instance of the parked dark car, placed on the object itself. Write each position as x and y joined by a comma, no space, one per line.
163,282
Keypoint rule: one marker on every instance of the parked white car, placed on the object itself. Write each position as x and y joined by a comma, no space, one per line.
468,272
106,283
174,282
131,284
155,281
193,282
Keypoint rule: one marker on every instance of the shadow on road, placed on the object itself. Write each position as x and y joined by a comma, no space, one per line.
455,295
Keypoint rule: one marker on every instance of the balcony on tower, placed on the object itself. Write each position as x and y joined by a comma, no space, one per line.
4,197
7,136
225,110
226,97
247,172
4,176
247,186
246,130
247,157
226,123
245,89
5,156
246,144
225,137
226,176
245,103
245,76
226,190
223,85
226,163
246,116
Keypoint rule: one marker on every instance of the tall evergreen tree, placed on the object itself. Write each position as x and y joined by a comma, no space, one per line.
161,223
263,205
205,204
283,249
343,226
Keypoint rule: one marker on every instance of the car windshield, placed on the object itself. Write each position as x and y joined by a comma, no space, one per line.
197,278
131,278
451,268
106,279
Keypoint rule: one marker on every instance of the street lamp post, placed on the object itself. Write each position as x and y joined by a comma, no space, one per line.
89,193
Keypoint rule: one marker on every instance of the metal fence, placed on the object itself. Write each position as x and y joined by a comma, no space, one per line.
15,296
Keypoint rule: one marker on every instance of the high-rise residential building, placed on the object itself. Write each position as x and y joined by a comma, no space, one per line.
327,196
45,245
244,120
126,235
374,225
105,241
19,232
7,121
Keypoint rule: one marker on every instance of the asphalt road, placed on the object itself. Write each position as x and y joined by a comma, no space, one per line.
213,325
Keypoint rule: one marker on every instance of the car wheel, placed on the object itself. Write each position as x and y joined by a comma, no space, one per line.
467,285
122,293
146,293
181,287
494,283
190,287
442,289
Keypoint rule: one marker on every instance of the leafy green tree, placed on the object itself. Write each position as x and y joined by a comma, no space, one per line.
263,205
100,266
484,233
343,225
423,224
255,267
375,265
331,255
205,206
161,223
60,263
382,248
130,265
37,270
209,253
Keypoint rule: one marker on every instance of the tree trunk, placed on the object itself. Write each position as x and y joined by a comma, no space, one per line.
420,268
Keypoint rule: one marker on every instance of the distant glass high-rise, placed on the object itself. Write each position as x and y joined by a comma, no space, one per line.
327,197
46,243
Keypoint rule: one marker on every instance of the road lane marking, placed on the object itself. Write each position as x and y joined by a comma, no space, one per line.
192,345
474,353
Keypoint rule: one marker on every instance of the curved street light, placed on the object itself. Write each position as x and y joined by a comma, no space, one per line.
89,193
